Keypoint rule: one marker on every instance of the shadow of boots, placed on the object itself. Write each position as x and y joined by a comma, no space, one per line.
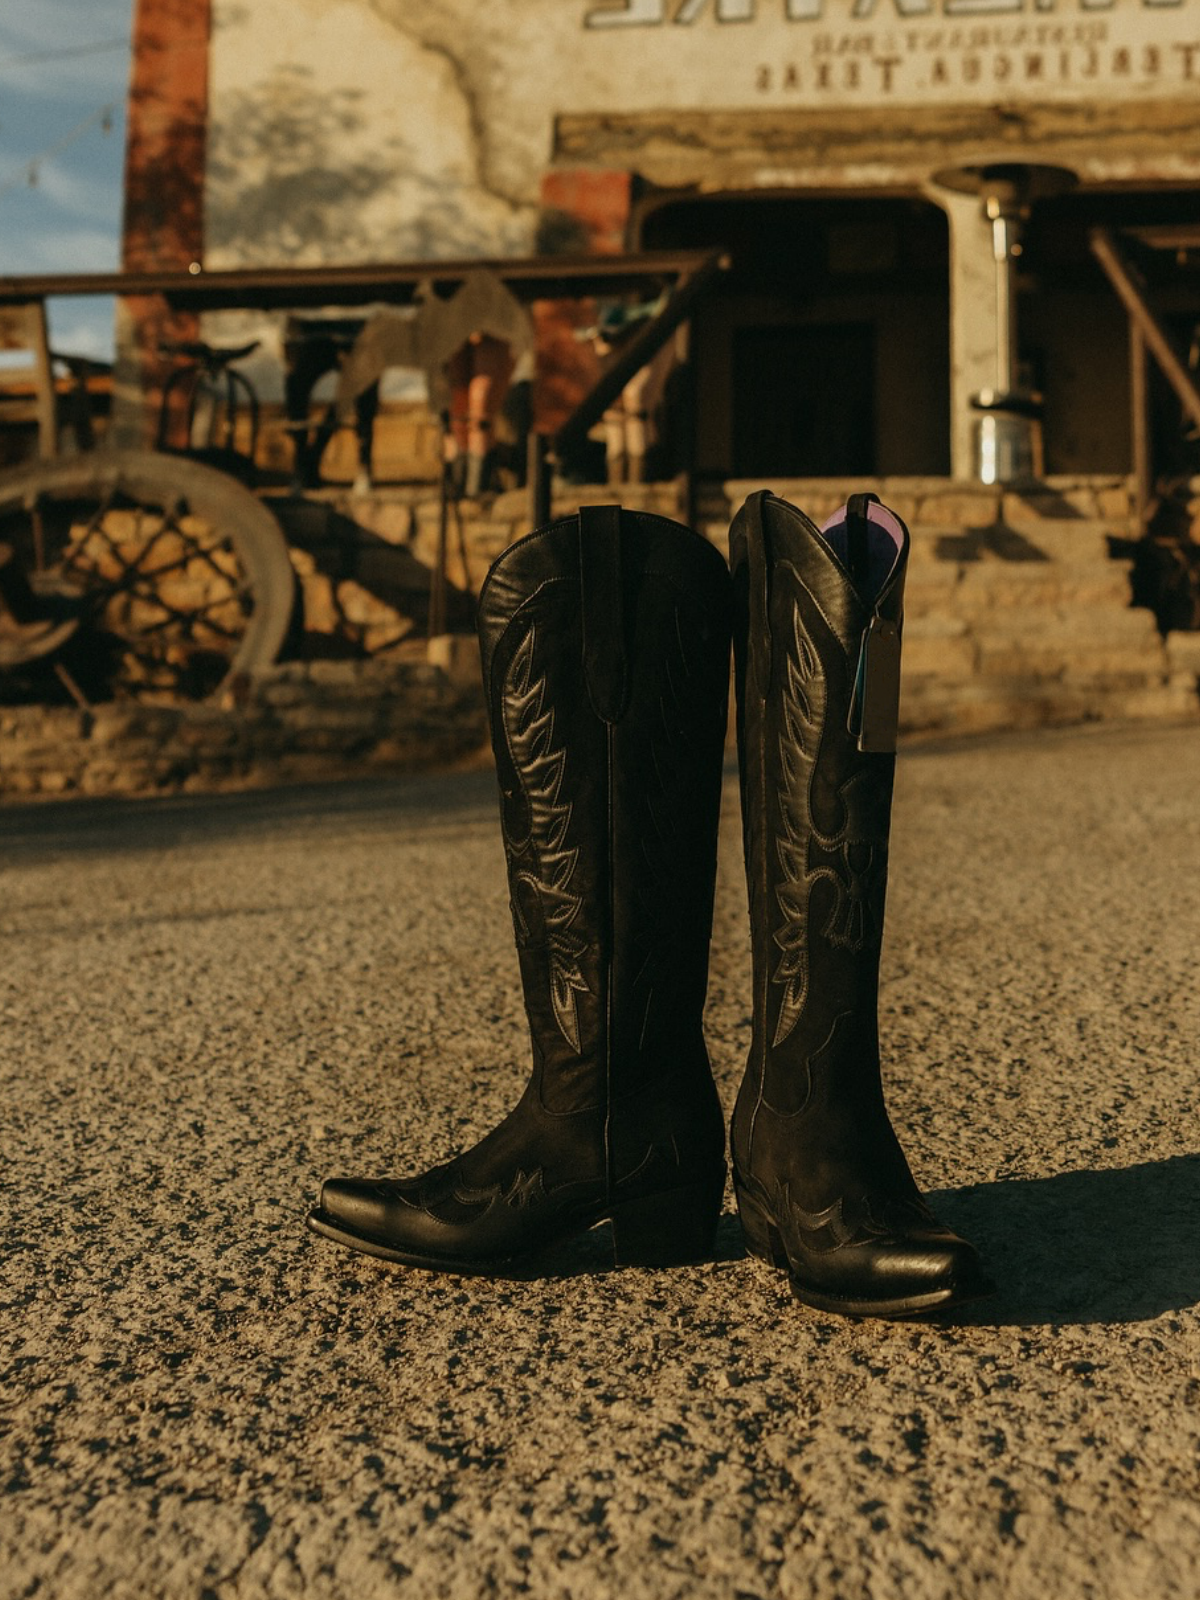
1121,1245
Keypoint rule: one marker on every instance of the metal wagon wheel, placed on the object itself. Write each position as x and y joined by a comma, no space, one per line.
180,577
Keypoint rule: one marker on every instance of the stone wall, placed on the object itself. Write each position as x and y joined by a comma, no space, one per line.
363,561
1016,616
314,155
301,721
366,690
1018,613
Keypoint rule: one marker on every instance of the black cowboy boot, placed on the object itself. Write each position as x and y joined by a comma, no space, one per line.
822,1184
605,642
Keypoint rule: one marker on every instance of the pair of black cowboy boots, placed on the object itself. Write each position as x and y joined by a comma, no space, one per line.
605,640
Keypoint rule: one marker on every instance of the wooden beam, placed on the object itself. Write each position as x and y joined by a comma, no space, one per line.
1139,417
23,327
284,288
1134,296
641,349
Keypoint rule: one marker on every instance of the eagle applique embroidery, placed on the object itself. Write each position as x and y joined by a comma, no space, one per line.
540,767
854,855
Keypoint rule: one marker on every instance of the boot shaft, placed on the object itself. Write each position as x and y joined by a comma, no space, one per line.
816,646
824,1189
605,646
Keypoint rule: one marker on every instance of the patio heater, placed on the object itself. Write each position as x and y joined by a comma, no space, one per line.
1008,426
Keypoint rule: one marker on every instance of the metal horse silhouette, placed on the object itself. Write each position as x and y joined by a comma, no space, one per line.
426,342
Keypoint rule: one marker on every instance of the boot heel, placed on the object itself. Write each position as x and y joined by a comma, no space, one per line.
667,1230
761,1235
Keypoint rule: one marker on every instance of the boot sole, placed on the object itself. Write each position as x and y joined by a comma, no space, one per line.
675,1228
892,1310
763,1240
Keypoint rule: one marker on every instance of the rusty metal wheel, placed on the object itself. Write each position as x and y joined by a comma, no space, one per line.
180,576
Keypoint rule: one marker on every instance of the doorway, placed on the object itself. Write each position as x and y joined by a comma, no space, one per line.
1077,333
825,351
805,401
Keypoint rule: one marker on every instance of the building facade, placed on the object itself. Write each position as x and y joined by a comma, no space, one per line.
844,152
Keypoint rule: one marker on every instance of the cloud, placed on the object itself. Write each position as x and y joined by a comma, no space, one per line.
83,328
49,110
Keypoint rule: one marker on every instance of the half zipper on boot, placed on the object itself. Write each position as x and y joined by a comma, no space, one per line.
754,691
610,1175
874,716
606,675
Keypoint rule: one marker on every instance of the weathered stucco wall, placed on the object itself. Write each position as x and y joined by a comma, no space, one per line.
364,128
339,134
358,130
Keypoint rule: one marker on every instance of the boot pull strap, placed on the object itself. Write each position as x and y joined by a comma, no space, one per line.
857,552
604,665
759,565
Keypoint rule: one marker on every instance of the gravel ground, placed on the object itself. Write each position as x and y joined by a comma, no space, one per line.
208,1003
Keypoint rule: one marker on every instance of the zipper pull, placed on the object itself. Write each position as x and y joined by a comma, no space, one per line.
875,704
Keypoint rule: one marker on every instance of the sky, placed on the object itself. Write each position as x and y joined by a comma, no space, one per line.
64,76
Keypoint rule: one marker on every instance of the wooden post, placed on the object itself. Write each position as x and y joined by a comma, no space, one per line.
1139,406
437,588
539,479
1131,291
23,327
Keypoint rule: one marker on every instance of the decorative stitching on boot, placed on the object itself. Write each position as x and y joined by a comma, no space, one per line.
830,1221
465,1204
864,1220
540,769
861,1226
802,704
858,849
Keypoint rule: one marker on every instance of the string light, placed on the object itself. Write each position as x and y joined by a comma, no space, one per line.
29,175
60,52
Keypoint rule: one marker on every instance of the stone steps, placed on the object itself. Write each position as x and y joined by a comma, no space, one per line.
1016,615
1023,703
976,588
1016,544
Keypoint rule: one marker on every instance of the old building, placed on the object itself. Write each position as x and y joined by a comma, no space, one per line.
959,247
845,152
